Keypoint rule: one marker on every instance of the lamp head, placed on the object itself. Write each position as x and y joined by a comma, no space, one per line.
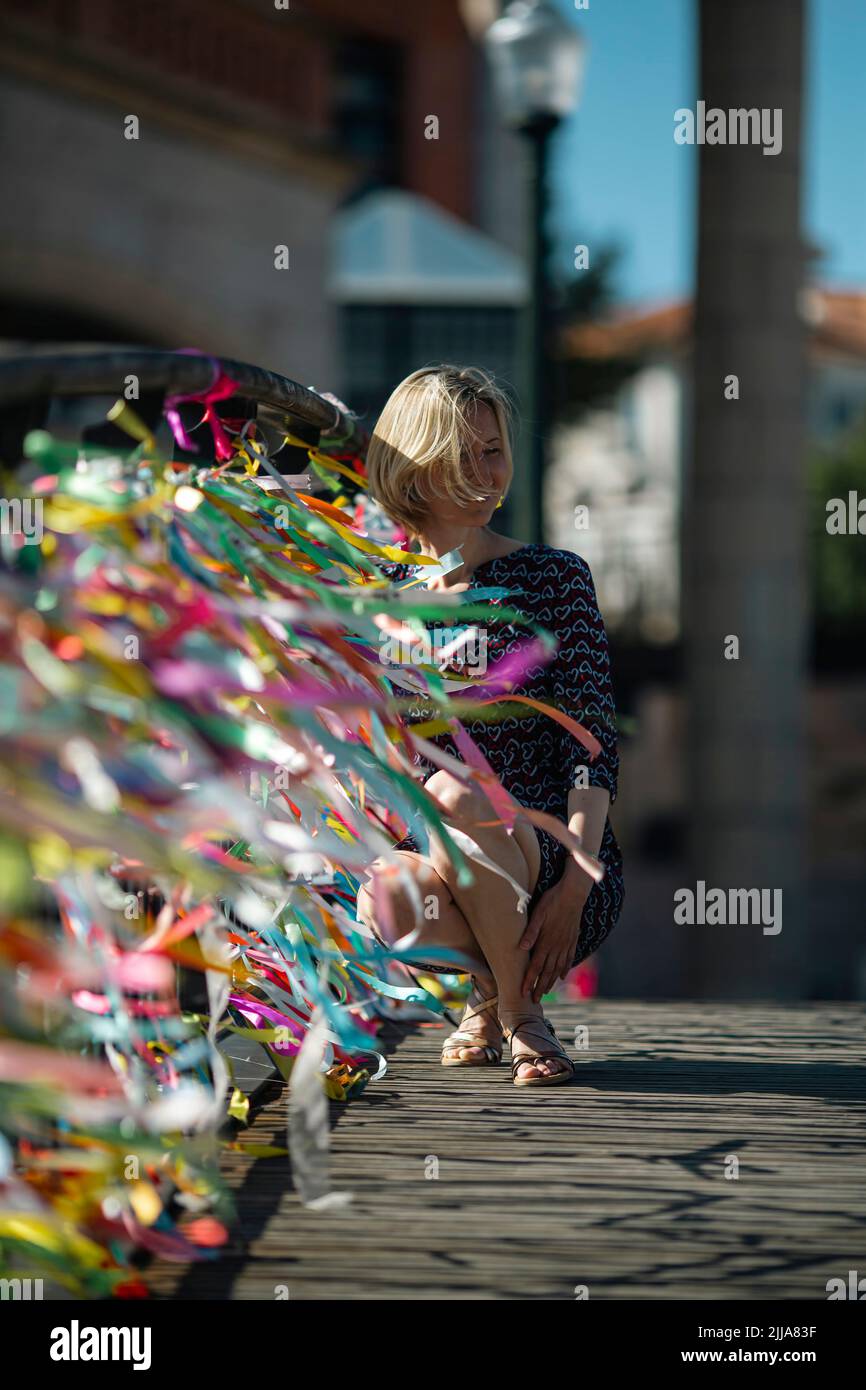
537,59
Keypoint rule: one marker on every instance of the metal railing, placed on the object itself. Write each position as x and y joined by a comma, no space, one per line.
302,409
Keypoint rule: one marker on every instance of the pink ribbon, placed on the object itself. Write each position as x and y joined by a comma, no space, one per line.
220,389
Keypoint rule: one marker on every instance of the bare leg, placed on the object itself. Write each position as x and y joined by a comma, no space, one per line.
446,927
490,904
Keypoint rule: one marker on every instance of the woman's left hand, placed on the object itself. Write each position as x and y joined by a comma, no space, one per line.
552,932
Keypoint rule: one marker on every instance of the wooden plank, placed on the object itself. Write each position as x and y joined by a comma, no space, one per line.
627,1192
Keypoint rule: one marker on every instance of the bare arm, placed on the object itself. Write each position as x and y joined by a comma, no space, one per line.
587,813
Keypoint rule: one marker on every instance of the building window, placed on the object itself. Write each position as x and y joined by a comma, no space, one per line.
367,106
383,343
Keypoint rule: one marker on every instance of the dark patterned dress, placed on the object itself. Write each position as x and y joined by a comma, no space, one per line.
534,757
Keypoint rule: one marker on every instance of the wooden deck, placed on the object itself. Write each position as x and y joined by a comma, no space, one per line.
615,1182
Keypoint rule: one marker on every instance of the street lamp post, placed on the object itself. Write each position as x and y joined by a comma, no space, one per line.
537,62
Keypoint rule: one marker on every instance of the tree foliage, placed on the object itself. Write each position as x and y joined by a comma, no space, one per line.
584,297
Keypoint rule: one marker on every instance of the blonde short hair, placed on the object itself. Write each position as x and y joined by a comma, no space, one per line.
421,444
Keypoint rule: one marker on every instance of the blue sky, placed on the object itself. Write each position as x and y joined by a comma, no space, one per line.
618,175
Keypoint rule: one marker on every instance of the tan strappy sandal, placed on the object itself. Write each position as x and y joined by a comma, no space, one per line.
528,1022
461,1038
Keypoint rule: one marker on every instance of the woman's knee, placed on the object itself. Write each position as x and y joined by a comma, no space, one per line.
467,804
463,801
402,904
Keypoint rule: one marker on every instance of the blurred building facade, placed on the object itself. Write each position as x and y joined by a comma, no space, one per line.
415,285
255,125
624,462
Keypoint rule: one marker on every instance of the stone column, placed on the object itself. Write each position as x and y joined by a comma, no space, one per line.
744,563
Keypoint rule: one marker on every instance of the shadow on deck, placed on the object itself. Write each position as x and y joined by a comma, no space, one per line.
703,1151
